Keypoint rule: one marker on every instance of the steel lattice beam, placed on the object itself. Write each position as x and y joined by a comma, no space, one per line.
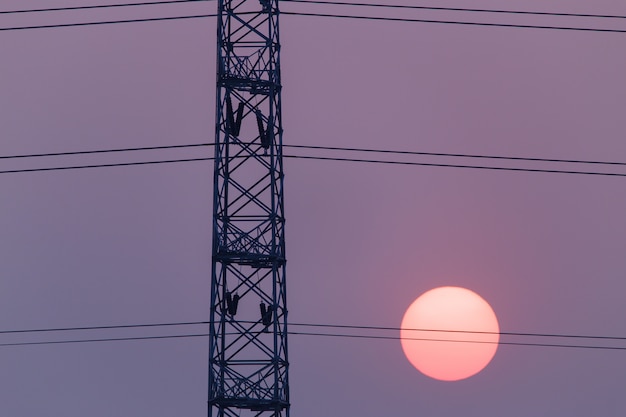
248,366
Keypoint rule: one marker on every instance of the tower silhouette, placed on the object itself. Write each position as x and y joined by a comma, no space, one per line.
248,365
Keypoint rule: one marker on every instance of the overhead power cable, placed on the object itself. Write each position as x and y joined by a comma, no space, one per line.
559,345
96,151
319,147
479,167
105,339
452,9
119,164
328,15
110,327
315,325
101,6
452,22
542,335
456,155
318,2
107,22
341,335
323,158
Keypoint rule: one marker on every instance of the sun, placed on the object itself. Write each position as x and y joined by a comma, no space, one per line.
449,333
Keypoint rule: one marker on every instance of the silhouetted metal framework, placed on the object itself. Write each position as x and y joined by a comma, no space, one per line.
248,366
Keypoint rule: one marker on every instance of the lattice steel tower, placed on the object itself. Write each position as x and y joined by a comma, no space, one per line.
248,364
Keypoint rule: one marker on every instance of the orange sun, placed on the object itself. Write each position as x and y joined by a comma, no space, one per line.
467,338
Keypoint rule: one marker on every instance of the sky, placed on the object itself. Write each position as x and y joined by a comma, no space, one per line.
131,245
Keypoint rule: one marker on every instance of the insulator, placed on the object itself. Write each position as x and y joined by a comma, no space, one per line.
230,117
234,123
232,302
235,303
266,315
264,135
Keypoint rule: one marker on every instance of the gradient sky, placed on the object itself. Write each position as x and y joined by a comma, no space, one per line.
132,245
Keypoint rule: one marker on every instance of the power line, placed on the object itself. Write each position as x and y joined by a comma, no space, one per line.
341,335
108,22
318,325
110,327
460,341
542,335
101,6
481,167
107,339
119,164
452,22
457,155
453,9
322,158
308,14
316,147
96,151
334,3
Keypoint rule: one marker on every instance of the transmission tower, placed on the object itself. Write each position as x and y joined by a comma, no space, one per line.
248,366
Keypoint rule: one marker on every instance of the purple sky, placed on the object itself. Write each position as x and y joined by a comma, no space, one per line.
132,245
